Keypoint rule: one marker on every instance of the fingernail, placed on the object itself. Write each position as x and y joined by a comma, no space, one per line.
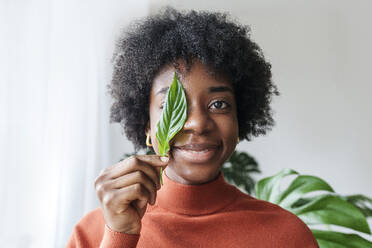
164,159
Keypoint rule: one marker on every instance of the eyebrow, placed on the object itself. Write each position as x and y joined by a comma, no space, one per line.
220,89
162,90
210,90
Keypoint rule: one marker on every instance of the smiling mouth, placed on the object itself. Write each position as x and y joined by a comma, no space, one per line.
196,156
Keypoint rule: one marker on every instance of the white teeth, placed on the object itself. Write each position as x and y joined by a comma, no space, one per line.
196,156
203,151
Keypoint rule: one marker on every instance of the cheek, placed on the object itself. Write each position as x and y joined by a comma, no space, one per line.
229,128
230,135
154,141
154,117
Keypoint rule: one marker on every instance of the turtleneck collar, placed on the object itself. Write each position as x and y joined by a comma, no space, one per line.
195,199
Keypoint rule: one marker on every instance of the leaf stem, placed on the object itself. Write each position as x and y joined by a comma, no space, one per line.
161,176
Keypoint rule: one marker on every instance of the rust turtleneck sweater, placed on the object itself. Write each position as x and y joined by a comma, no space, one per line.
215,214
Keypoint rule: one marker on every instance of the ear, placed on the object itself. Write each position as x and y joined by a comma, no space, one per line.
148,129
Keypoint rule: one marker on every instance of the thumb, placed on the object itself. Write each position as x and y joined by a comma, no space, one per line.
141,207
141,203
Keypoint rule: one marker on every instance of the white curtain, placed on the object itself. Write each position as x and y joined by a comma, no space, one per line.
54,113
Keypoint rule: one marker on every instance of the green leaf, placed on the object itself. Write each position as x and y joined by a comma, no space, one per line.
326,209
301,185
237,170
331,239
267,189
362,202
332,209
172,118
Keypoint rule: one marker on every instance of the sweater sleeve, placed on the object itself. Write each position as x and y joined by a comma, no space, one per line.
91,231
112,239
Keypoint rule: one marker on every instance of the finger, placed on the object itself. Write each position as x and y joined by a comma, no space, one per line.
119,200
136,192
137,204
164,162
139,163
154,160
133,178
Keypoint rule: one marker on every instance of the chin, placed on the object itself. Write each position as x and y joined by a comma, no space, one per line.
194,174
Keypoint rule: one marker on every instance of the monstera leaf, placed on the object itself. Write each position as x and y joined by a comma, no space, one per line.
238,169
362,202
327,208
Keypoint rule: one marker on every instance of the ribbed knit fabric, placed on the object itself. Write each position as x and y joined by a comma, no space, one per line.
215,214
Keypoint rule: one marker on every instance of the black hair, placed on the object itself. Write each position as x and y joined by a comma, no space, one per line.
222,45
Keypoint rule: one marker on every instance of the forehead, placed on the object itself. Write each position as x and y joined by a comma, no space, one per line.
197,79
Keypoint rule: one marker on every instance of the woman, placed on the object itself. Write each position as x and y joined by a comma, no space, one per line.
228,89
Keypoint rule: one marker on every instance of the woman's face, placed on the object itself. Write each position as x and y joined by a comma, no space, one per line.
210,133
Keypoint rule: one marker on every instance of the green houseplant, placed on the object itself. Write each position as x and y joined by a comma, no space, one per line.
327,209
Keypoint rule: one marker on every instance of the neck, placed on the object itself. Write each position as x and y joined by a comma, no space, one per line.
197,199
183,179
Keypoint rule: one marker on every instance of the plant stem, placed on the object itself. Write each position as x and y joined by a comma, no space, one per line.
161,176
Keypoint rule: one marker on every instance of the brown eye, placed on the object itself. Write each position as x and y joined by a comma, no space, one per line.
220,105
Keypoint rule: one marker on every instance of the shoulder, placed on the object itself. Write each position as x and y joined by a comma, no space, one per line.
279,222
93,218
90,228
292,228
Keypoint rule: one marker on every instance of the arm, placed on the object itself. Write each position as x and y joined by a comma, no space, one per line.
112,239
124,190
91,231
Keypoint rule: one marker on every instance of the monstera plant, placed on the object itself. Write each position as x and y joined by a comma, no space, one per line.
326,208
323,207
238,169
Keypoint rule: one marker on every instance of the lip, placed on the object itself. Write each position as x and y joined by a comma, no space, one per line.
197,146
196,153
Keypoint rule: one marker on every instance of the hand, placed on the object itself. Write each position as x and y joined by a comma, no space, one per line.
124,189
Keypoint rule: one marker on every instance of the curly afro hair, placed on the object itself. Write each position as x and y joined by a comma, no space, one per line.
222,45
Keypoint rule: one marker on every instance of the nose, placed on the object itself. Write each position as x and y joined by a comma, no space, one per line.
198,120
